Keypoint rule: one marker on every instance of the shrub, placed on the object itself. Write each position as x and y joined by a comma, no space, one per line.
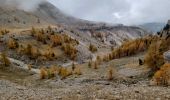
92,48
95,65
49,54
50,29
48,72
12,43
29,67
3,32
99,60
70,51
78,70
21,49
110,74
73,66
31,51
56,40
90,64
5,61
54,70
33,31
68,39
64,72
28,49
162,76
106,58
40,36
43,73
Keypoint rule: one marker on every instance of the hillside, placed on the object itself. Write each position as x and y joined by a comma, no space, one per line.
15,18
48,55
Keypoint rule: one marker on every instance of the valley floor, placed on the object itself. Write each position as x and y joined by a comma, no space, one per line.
129,83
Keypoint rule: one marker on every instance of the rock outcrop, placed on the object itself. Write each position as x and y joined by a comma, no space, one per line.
167,56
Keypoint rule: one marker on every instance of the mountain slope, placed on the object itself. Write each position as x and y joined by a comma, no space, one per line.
47,14
50,13
153,27
15,18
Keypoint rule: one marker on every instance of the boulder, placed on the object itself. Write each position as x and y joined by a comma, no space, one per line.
167,56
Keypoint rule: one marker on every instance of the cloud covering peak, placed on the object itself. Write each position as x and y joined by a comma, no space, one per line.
117,11
27,5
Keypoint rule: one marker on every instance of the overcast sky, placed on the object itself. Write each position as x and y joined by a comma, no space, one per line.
117,11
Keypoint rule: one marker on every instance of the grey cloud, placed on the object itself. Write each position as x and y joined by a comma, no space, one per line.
27,5
117,11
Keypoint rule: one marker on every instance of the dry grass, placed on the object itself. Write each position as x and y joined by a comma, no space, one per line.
92,48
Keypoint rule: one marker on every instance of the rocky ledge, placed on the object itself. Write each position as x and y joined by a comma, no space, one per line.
167,56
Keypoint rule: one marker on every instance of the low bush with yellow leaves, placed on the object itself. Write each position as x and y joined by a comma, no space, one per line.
12,43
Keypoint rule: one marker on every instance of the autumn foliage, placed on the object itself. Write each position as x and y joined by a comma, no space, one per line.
4,59
12,43
130,48
92,48
162,76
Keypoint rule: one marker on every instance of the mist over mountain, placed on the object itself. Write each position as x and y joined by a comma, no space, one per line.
128,12
153,27
27,5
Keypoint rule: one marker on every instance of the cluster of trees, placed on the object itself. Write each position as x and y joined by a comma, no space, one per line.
155,58
53,71
49,38
70,50
130,48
